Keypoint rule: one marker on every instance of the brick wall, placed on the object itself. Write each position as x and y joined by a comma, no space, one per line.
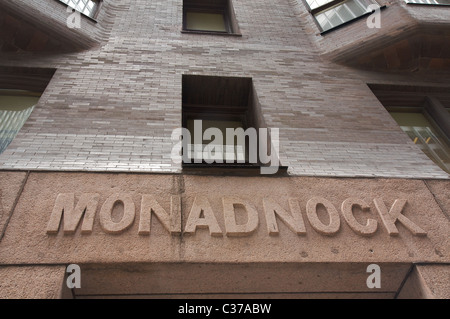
113,107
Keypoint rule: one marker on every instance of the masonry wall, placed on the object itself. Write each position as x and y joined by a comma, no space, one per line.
100,137
113,107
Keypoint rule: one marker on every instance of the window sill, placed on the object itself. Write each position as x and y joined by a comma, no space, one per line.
211,33
230,169
350,21
429,4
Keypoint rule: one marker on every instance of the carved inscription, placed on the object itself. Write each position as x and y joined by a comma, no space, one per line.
72,214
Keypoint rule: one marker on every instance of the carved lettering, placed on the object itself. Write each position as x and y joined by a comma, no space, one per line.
171,222
232,229
311,211
293,220
73,214
129,212
202,216
65,206
394,215
347,211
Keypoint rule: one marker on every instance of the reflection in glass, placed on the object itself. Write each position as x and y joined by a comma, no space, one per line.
86,7
427,137
342,13
317,3
438,2
14,111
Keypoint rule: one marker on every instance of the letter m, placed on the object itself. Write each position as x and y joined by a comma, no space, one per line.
65,206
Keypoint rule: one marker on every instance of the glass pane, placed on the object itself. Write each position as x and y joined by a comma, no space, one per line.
342,13
87,7
423,134
444,2
317,3
14,111
205,21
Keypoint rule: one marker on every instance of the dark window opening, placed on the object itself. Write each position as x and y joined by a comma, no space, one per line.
225,126
219,103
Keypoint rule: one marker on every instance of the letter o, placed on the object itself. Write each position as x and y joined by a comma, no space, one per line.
311,212
108,225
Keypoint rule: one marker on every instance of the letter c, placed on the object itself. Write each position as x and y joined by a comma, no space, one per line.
347,210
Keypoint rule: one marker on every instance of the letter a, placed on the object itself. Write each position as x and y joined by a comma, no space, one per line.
74,19
374,20
73,280
374,280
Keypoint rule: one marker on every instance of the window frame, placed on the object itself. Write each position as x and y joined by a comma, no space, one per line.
27,109
195,107
25,79
225,9
228,29
418,99
439,134
94,16
426,4
331,4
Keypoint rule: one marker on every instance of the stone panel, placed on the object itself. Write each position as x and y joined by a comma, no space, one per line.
31,282
10,186
223,219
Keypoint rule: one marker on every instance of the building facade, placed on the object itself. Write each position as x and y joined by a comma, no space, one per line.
351,99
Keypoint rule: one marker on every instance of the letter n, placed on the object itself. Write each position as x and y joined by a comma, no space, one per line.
293,220
171,222
65,206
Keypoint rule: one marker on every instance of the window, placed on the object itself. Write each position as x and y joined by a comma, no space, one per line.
424,115
330,14
211,16
86,7
216,103
434,2
426,135
223,129
15,108
20,90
